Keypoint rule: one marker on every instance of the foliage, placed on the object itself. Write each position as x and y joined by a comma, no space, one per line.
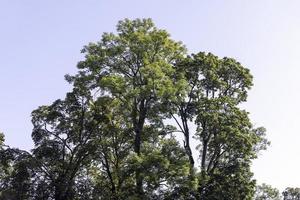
291,193
266,192
111,137
227,139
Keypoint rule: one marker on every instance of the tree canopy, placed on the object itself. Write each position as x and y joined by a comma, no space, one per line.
266,192
116,134
291,193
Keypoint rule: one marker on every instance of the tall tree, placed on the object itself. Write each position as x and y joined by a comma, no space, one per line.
227,139
110,138
136,65
152,78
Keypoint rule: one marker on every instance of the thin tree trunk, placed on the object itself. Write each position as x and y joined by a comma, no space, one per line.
138,128
137,149
189,153
187,140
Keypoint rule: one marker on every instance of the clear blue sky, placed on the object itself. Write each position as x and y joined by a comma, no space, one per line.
41,41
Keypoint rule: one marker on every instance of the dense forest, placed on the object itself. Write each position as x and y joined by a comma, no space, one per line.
127,128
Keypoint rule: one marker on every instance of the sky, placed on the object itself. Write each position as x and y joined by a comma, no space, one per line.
40,42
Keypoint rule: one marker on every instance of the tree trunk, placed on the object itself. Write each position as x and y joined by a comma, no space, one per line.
138,128
138,177
203,170
187,140
189,153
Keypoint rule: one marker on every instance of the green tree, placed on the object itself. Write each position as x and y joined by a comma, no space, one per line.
136,66
227,139
15,176
154,80
111,137
266,192
63,135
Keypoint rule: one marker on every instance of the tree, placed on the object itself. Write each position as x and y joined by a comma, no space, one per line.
64,141
111,137
291,193
135,66
14,172
154,80
266,192
227,140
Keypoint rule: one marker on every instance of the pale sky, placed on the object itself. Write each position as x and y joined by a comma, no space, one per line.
40,41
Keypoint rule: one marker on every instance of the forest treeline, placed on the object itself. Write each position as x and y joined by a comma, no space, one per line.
124,131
